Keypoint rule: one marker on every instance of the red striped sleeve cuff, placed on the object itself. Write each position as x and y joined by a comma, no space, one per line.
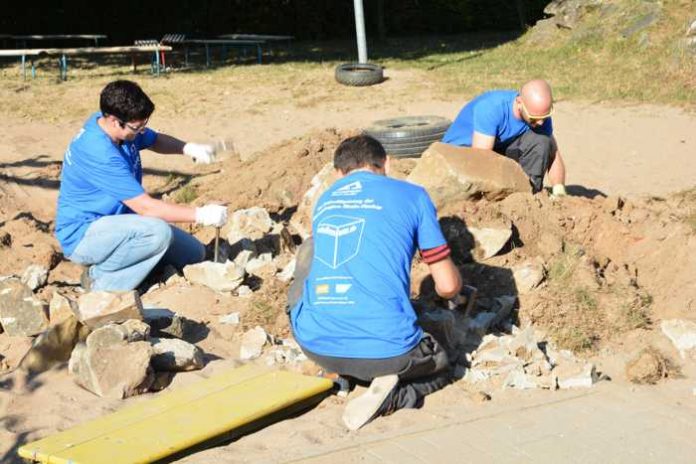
433,255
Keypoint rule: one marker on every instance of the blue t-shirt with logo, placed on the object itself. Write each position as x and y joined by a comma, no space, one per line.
355,301
98,175
491,114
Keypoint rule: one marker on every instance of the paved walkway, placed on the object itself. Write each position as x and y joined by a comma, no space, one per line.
607,424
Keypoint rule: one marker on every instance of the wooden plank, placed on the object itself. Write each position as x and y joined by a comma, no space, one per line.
85,50
154,429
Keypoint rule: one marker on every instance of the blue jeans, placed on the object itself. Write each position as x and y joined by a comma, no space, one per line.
121,250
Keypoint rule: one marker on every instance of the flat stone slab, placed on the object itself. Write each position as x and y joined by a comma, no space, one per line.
96,309
221,277
21,314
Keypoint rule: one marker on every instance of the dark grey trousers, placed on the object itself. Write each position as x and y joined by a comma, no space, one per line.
534,152
423,370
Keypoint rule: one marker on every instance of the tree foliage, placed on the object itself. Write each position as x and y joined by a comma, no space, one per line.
127,20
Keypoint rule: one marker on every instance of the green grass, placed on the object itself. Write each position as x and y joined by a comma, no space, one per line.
186,194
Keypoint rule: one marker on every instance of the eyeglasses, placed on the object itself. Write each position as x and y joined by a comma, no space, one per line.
135,129
535,118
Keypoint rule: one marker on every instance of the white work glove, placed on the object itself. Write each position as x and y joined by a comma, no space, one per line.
559,190
201,153
211,215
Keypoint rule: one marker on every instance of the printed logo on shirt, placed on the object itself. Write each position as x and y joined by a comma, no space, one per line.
343,288
338,240
351,189
322,289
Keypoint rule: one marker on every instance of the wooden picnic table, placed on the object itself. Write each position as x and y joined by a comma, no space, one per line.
268,38
63,53
223,43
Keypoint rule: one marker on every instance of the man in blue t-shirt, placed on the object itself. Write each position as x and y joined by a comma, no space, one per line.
105,220
355,317
517,125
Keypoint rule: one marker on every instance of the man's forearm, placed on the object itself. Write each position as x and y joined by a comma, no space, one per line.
145,205
557,172
168,145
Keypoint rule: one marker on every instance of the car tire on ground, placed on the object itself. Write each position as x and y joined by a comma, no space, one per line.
408,137
359,74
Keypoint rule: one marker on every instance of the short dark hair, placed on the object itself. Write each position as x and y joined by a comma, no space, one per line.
126,101
358,152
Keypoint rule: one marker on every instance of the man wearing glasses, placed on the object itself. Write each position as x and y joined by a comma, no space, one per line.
105,220
517,125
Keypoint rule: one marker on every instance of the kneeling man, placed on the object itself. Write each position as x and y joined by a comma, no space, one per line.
354,317
517,125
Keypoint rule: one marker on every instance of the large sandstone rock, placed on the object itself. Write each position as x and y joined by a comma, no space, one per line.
174,355
96,309
221,277
452,174
61,308
252,223
252,343
21,314
113,371
302,219
53,346
132,330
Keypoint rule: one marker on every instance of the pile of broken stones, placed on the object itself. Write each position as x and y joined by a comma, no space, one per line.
117,348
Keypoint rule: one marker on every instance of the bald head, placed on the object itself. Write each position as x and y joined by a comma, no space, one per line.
536,96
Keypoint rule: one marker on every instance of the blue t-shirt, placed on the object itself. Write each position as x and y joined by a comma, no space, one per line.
491,114
355,301
98,175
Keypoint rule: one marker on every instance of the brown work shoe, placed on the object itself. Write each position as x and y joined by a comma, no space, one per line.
369,405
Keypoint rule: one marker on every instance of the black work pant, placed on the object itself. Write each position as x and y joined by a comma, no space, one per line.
423,370
534,152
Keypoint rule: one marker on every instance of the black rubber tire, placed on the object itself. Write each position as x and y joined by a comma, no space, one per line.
359,74
409,136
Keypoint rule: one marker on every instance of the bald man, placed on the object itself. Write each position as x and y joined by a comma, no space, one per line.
517,125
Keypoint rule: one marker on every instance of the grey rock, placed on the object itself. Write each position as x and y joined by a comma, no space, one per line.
115,371
568,13
221,277
244,256
691,31
489,241
575,376
107,335
136,330
61,308
252,343
174,355
231,319
302,219
261,265
682,333
252,223
166,323
244,291
53,346
528,276
21,314
35,276
524,346
288,271
451,174
96,309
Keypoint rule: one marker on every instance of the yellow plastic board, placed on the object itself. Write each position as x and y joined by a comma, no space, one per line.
154,429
